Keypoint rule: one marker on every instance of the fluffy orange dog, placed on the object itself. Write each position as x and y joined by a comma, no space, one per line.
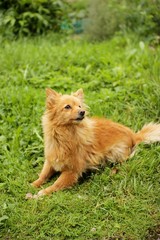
75,143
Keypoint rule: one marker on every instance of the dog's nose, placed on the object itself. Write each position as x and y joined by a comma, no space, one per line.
82,113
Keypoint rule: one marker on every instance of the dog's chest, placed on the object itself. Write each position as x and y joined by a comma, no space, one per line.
58,165
62,157
64,150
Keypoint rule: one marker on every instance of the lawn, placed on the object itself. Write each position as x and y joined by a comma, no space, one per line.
121,81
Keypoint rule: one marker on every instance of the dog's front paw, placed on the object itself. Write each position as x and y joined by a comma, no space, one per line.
39,194
37,183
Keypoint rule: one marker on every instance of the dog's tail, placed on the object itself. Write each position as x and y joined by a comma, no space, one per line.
150,133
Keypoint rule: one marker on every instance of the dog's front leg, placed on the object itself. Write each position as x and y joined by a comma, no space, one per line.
65,180
47,172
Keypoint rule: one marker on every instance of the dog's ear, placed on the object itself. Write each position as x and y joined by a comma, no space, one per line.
51,97
51,93
79,94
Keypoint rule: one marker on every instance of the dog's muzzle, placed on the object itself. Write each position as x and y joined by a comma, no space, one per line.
80,115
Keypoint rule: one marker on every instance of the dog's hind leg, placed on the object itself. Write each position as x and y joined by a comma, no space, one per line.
119,153
47,172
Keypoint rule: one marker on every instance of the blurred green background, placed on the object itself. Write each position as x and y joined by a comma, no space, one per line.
98,19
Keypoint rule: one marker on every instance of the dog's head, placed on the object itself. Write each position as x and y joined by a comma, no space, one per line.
65,109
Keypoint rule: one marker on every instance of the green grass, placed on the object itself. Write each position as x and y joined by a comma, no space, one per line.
121,81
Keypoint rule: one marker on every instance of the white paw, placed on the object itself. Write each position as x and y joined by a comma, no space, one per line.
41,193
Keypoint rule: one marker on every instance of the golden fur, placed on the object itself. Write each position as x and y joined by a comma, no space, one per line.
75,142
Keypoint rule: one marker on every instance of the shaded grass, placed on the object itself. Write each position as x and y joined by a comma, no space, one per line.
121,81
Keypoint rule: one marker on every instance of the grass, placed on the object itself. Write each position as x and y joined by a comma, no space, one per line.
121,81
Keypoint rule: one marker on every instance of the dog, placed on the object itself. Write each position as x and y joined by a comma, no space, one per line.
74,143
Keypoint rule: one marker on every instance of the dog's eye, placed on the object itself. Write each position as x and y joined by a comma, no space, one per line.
79,106
67,107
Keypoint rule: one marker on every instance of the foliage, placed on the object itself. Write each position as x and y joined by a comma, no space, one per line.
107,17
104,18
100,19
143,17
78,15
28,17
121,81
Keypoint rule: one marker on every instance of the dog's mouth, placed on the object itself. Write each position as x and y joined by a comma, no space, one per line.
79,118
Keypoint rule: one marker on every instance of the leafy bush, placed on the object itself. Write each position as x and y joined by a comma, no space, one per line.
105,17
78,15
143,17
27,17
